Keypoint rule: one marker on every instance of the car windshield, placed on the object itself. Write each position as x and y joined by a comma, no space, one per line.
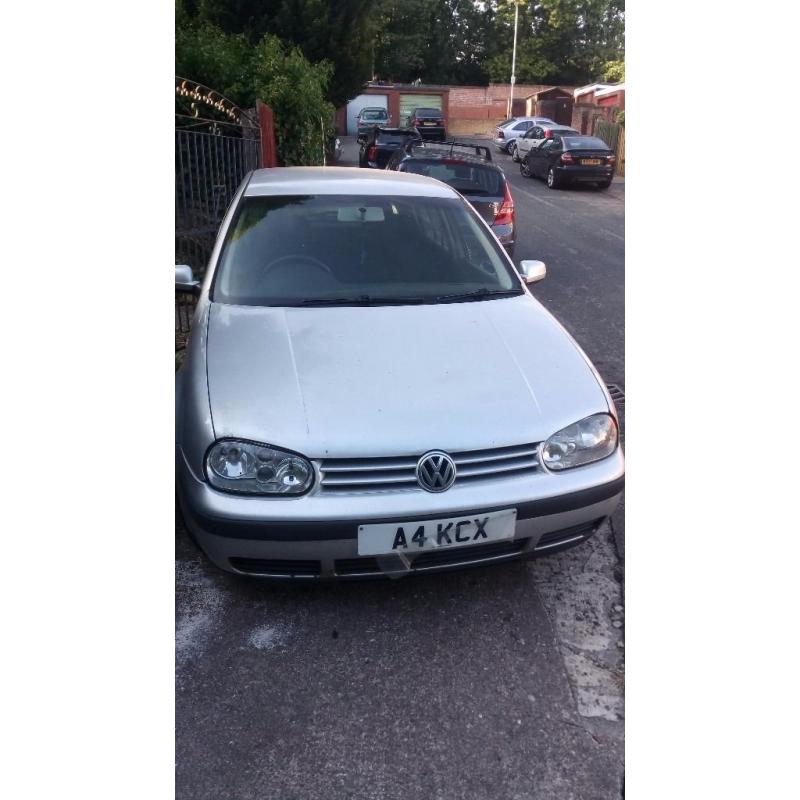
463,176
375,114
346,249
428,112
584,143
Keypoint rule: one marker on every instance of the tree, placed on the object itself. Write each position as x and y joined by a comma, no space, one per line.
559,41
340,32
438,41
614,72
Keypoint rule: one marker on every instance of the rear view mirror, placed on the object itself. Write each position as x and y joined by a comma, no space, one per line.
362,214
532,271
184,279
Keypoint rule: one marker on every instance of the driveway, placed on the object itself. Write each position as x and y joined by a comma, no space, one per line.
498,683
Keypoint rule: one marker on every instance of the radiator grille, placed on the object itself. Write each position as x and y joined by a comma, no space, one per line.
392,473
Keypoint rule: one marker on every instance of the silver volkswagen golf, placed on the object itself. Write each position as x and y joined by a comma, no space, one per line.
371,389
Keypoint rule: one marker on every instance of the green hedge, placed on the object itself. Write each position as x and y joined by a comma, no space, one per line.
270,71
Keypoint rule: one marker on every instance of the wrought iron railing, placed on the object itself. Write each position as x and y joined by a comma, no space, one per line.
216,145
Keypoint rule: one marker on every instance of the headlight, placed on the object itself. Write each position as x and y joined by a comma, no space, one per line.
257,469
581,443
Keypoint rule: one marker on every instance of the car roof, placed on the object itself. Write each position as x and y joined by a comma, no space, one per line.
283,181
527,119
373,108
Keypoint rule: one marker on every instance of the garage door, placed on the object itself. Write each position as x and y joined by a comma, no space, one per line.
408,102
363,101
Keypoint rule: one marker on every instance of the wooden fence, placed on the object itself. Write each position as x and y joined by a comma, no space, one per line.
613,134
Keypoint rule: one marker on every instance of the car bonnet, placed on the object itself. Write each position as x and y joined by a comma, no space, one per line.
371,381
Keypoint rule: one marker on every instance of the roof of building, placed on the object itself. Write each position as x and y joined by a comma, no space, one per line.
343,180
565,92
591,87
618,87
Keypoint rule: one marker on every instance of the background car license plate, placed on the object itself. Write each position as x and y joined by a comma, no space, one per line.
591,162
416,537
428,123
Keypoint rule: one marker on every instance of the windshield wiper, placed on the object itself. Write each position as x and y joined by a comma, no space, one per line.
478,294
370,300
362,300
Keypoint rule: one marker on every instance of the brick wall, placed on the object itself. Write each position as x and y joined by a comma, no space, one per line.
471,127
583,115
468,96
477,109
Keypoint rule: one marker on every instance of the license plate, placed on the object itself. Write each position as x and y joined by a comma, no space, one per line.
428,123
591,162
417,537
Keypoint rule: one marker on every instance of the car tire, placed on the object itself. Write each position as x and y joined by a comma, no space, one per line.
509,146
515,152
525,168
553,181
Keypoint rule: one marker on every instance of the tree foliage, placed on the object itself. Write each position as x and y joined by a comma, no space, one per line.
340,32
560,41
435,41
614,72
267,70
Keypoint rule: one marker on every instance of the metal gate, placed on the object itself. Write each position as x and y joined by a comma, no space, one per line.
216,145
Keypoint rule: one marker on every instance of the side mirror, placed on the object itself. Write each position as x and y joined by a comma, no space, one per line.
532,271
184,279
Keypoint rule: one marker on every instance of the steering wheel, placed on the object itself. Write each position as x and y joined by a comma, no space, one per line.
315,262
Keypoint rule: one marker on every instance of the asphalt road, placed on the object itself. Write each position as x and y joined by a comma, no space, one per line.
498,683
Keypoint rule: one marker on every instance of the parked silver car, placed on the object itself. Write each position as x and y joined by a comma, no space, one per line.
507,133
369,118
371,389
537,134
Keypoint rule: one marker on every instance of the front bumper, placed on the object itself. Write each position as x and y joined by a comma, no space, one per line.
316,536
